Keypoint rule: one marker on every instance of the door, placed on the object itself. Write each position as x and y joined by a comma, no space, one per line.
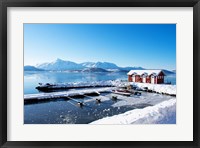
133,78
144,80
152,80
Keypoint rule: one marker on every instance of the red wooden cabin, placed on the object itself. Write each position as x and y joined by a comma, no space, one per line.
146,76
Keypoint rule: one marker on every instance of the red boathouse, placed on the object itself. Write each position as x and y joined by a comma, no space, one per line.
146,76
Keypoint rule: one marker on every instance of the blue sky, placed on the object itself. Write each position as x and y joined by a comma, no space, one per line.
147,45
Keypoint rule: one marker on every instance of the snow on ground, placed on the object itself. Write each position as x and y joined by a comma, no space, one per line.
162,113
146,99
160,88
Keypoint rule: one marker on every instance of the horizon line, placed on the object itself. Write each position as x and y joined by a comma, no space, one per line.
97,62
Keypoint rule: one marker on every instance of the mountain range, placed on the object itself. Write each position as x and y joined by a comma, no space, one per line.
31,68
104,65
62,65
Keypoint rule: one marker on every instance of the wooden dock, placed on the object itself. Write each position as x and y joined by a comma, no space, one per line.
29,98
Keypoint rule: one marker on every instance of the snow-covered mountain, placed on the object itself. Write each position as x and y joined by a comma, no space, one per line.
88,64
60,65
167,72
31,68
104,65
174,71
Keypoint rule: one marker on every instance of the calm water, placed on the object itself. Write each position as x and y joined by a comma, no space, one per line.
62,111
67,112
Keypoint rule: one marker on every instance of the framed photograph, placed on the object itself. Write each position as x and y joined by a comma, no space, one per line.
99,73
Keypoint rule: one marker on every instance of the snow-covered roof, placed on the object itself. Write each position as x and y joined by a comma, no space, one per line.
144,72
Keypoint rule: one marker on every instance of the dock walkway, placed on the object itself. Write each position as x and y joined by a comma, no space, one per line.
65,94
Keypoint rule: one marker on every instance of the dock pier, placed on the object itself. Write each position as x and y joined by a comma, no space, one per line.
31,98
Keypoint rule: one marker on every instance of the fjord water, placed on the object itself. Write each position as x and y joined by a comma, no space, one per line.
62,111
32,78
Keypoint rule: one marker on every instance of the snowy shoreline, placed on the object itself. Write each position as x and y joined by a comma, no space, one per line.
158,88
162,113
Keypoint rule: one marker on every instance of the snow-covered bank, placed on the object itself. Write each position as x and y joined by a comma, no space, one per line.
160,88
162,113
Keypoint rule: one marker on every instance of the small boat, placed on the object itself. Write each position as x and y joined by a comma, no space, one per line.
122,93
123,90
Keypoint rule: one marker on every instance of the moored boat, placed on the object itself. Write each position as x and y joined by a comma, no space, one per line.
122,93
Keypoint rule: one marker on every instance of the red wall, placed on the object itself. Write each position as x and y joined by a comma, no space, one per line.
148,80
160,78
138,79
130,78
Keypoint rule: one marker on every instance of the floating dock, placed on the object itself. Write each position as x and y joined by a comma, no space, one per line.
57,87
30,98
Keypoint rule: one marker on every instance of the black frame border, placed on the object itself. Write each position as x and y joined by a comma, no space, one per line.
99,3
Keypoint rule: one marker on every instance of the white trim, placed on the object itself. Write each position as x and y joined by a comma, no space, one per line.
182,131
